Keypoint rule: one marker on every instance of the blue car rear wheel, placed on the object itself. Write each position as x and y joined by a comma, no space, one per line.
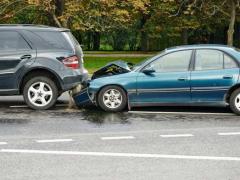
235,101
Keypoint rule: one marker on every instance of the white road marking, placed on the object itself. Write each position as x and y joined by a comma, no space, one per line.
54,140
176,135
181,113
3,143
229,134
118,138
130,155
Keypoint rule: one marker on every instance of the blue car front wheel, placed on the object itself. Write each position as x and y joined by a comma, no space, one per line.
112,99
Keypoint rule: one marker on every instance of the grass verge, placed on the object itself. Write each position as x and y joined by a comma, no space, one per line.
121,52
94,63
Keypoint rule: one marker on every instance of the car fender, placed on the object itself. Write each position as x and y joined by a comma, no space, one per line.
126,81
35,67
230,91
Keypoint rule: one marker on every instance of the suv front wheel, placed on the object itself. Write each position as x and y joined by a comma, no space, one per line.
40,93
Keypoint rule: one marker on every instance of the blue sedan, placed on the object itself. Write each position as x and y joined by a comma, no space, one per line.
197,75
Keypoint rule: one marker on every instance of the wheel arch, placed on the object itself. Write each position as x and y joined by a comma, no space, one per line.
39,71
230,91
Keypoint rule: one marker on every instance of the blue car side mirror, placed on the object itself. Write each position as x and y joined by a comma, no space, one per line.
148,71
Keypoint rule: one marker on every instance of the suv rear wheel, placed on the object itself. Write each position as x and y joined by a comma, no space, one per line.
40,93
235,101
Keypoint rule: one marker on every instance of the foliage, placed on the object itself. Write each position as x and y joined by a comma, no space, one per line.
132,24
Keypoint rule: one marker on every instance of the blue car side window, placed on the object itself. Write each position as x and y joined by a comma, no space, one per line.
229,63
208,60
174,62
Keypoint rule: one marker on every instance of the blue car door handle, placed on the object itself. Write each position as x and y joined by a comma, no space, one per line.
183,79
227,77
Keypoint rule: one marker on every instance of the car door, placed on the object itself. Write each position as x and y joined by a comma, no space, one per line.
170,81
214,73
15,54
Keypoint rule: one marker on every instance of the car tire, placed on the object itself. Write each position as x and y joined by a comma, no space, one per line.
112,99
235,102
40,93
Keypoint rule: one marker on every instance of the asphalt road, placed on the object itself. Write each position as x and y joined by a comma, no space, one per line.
147,144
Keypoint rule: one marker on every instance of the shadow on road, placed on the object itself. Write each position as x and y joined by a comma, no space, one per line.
185,109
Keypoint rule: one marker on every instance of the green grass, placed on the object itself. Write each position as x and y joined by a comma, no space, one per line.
94,63
119,52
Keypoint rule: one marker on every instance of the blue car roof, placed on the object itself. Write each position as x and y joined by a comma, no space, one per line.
201,46
234,52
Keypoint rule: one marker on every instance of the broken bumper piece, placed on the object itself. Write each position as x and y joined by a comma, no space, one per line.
83,98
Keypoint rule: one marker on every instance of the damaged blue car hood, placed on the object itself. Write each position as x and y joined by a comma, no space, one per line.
112,68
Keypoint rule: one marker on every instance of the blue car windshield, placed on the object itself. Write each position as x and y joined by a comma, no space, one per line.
136,66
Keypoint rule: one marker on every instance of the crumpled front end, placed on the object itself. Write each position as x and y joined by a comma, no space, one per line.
111,69
84,98
87,96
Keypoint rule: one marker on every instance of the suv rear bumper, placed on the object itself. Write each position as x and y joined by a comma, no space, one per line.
71,82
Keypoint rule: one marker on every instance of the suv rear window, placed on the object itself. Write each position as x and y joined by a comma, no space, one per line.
50,40
12,41
72,38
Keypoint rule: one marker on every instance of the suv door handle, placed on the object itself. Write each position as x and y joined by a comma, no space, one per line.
26,56
227,77
183,79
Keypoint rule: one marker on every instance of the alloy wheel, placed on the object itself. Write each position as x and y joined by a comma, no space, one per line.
40,94
112,98
237,102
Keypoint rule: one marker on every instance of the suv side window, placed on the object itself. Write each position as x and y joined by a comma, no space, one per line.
174,62
229,63
49,40
208,60
12,41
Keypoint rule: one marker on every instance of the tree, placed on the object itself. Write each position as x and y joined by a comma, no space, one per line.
140,24
165,19
98,16
216,9
9,9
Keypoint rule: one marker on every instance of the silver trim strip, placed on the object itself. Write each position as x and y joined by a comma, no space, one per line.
201,90
5,73
132,91
6,90
165,90
212,87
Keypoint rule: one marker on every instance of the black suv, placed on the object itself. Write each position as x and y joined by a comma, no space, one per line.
39,62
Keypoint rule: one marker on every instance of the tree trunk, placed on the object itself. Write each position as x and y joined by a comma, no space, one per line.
59,7
57,12
144,35
238,35
89,35
96,41
56,21
232,23
185,36
144,41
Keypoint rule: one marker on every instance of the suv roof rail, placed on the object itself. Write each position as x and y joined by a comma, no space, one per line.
34,25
